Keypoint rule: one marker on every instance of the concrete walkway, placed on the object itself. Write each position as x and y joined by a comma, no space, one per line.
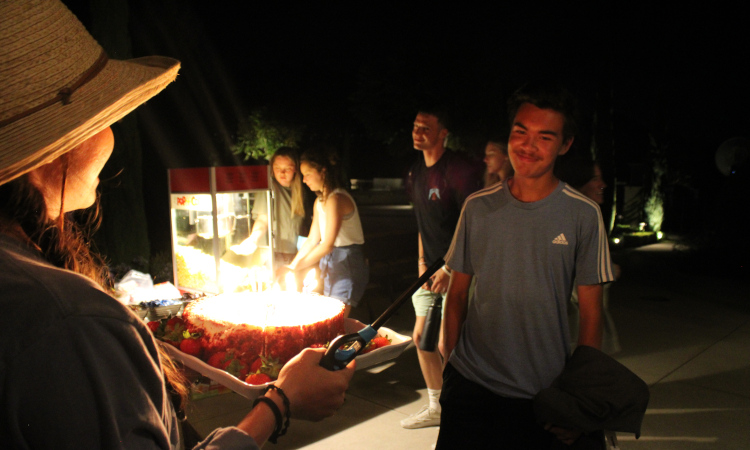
684,331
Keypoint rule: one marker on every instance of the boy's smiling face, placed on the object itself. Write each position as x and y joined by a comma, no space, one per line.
536,140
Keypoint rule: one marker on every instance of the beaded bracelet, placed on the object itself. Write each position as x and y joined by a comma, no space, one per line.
277,414
284,399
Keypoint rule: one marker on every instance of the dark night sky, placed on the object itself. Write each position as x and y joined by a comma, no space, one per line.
344,69
676,74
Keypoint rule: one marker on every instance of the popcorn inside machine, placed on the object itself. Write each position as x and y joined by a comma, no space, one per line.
213,211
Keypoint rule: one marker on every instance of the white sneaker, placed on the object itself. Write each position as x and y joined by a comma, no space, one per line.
425,417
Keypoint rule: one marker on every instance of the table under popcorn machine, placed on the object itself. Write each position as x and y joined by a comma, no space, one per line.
213,211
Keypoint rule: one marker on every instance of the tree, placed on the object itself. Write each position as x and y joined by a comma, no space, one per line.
260,135
654,207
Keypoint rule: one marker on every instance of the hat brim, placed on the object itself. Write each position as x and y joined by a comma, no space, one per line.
120,87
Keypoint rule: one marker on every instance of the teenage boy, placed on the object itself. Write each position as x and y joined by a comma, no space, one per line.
525,241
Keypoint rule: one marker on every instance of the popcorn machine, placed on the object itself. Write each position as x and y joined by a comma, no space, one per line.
213,210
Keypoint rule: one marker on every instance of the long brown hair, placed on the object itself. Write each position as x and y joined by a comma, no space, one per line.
325,158
491,178
64,243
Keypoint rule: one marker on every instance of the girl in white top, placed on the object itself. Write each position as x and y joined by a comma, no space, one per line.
336,238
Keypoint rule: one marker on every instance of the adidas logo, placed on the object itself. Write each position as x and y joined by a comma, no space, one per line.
560,240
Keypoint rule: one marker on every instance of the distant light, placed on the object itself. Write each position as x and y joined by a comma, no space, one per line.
642,226
659,235
616,240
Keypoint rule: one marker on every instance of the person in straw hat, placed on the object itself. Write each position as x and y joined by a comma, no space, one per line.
77,368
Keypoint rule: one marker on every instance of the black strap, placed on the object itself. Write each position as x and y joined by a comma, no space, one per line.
277,414
285,399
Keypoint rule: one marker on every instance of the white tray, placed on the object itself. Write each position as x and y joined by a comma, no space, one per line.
399,343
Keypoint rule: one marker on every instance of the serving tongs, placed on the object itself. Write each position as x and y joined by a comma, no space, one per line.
346,347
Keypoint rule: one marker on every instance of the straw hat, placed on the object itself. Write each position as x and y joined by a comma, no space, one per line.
57,87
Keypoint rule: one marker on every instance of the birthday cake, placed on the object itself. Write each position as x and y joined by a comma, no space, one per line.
274,325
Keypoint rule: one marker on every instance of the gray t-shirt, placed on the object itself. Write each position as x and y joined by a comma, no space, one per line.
525,257
286,225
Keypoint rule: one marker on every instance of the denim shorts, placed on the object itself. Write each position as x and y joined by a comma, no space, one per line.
345,274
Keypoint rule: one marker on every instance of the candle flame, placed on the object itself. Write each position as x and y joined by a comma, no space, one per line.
290,282
266,309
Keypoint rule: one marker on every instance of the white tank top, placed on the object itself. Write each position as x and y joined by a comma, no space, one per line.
351,227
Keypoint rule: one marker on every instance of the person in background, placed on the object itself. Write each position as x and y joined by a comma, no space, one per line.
585,175
289,210
498,170
336,238
497,162
437,184
78,369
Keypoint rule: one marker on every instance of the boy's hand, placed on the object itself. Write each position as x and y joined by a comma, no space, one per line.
440,282
565,435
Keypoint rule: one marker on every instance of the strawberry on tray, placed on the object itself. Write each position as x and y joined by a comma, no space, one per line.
248,375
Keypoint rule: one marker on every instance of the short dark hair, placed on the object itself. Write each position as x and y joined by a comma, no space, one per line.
440,112
547,95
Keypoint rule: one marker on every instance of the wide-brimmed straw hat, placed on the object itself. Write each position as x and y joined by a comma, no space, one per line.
57,86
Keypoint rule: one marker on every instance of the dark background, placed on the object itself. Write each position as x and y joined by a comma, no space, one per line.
353,75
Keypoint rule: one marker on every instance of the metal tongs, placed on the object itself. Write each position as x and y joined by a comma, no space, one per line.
346,347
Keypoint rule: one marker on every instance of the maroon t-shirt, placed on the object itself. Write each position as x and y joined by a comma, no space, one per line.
438,193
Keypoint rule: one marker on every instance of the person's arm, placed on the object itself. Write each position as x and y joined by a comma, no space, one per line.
260,228
313,238
314,393
440,280
590,312
421,261
260,422
565,435
616,270
336,207
249,245
456,304
259,215
590,333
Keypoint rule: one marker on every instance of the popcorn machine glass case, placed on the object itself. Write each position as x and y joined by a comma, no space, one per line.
213,212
